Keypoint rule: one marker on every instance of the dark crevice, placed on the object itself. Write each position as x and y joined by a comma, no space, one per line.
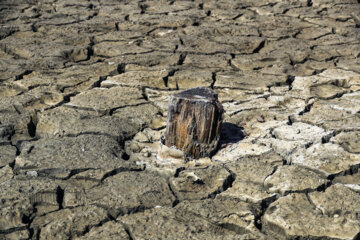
31,232
65,100
30,150
8,33
284,162
289,80
182,58
290,121
227,184
38,85
272,173
170,74
89,227
285,11
272,134
131,237
60,197
37,233
97,83
195,24
318,71
357,237
121,68
74,172
291,62
351,171
176,201
237,16
119,170
21,76
159,28
264,205
326,139
178,171
143,93
111,111
143,8
17,109
90,52
309,3
356,19
306,191
12,165
342,19
321,11
309,144
91,6
306,109
257,68
261,45
310,201
322,187
63,88
213,78
11,230
331,58
92,16
125,156
31,127
235,112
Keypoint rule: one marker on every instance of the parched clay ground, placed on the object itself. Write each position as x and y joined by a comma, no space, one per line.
84,88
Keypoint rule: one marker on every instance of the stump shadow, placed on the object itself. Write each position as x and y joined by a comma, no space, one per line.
231,133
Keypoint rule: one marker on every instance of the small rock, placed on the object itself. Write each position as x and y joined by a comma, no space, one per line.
32,173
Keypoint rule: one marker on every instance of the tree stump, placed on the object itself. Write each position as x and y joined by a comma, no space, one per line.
194,122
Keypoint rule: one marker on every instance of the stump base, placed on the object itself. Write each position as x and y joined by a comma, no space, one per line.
194,122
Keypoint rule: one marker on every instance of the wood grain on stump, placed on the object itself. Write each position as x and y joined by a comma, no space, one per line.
194,122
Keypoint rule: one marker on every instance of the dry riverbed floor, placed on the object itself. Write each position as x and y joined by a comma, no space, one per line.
84,90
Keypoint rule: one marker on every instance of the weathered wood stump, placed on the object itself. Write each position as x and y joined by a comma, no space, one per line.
194,122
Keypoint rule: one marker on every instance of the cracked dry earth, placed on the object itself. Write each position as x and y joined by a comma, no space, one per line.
84,90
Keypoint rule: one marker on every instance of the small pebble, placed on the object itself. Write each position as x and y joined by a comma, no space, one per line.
32,173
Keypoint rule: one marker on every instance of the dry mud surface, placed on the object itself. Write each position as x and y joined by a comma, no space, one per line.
84,88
